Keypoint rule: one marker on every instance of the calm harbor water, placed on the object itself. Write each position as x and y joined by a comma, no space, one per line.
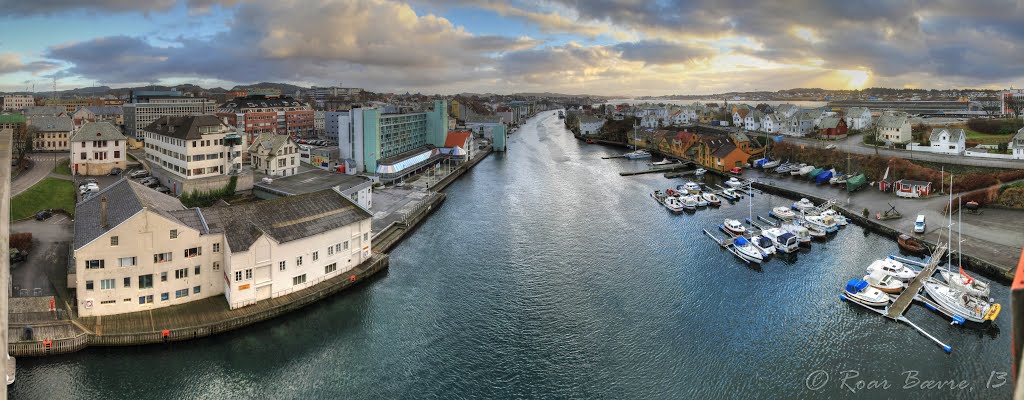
548,275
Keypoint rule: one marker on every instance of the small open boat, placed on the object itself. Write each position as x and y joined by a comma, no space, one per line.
910,245
730,194
860,291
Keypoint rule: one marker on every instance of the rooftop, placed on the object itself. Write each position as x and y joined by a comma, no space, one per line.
125,198
51,124
261,101
310,181
186,127
97,131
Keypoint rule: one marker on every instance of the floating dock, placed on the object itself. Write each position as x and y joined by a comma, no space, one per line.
654,170
898,307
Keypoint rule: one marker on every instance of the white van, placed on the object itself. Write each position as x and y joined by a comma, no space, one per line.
919,225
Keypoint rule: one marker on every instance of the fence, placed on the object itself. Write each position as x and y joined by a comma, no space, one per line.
49,346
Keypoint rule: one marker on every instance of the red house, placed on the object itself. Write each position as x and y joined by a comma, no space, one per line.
832,128
909,188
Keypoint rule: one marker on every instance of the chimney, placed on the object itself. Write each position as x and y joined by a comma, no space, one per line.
103,211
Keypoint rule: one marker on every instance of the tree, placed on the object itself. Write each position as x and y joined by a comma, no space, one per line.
1014,104
23,142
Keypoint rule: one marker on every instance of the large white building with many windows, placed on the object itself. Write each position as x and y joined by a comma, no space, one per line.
136,249
97,148
192,147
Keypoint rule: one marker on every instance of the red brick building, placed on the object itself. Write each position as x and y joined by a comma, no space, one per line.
258,114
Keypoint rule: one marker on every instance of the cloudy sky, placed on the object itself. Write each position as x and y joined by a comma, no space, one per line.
634,47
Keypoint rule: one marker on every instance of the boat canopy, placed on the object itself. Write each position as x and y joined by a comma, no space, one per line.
741,241
815,172
823,177
785,237
856,182
856,285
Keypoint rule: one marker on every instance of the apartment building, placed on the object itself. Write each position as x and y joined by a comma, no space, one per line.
191,147
258,114
146,107
50,133
396,142
274,155
16,102
97,148
136,249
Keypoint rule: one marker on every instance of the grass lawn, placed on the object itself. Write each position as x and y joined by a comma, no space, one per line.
47,194
984,138
64,168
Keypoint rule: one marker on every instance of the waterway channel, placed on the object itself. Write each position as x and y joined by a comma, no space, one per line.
547,275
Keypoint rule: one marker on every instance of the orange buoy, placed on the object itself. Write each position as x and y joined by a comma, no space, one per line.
352,278
165,333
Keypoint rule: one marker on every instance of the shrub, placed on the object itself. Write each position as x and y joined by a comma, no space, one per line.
207,198
1012,197
21,241
866,212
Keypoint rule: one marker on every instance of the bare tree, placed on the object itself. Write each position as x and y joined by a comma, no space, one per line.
23,142
1014,104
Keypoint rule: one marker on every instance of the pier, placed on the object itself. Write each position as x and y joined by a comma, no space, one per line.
898,307
656,170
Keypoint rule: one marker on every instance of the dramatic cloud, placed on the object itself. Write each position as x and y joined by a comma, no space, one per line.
660,52
32,7
10,63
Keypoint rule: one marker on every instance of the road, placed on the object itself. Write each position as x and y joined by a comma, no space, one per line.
855,145
42,165
47,261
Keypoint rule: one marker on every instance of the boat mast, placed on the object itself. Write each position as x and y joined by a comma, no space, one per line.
959,233
949,228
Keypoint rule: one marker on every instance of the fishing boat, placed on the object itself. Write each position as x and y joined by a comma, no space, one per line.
700,171
734,226
734,183
860,291
783,241
689,202
763,244
673,204
636,155
803,171
884,282
910,245
692,187
960,303
965,283
802,234
822,222
711,198
803,205
747,251
770,164
892,267
839,218
783,213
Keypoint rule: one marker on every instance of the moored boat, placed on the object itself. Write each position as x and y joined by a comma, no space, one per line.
960,303
734,183
965,283
689,202
692,187
910,245
803,205
783,241
636,155
884,282
734,226
700,171
822,222
673,204
860,291
783,213
892,267
711,198
770,164
802,234
784,168
747,251
763,244
664,161
730,194
839,218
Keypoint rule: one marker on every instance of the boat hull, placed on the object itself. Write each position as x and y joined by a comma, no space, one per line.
872,302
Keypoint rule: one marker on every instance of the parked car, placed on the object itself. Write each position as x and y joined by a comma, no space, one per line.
148,180
88,187
162,189
138,174
830,147
116,171
43,215
919,225
17,255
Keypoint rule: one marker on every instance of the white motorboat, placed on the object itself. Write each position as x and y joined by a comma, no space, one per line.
673,204
861,292
746,250
884,282
770,164
785,167
892,267
803,205
711,198
839,218
664,161
700,201
960,303
783,213
636,155
795,170
825,223
689,202
763,244
700,171
803,171
815,231
802,234
783,241
734,183
692,187
837,179
734,226
730,194
965,283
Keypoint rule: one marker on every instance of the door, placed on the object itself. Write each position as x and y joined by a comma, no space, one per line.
263,292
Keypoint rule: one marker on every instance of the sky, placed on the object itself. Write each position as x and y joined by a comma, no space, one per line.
602,47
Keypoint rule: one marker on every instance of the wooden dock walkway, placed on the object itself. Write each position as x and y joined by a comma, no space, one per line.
899,306
655,170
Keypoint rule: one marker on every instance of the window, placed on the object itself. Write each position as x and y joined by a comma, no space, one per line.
316,255
126,261
195,289
174,233
298,280
298,261
281,265
163,277
117,154
180,293
193,252
108,302
94,264
107,284
146,299
88,285
127,282
330,250
164,296
113,240
248,273
345,244
195,270
366,236
216,247
331,268
216,266
161,258
238,276
146,281
337,248
181,273
83,156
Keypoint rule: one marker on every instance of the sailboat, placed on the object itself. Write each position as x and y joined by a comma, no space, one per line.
962,281
747,251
